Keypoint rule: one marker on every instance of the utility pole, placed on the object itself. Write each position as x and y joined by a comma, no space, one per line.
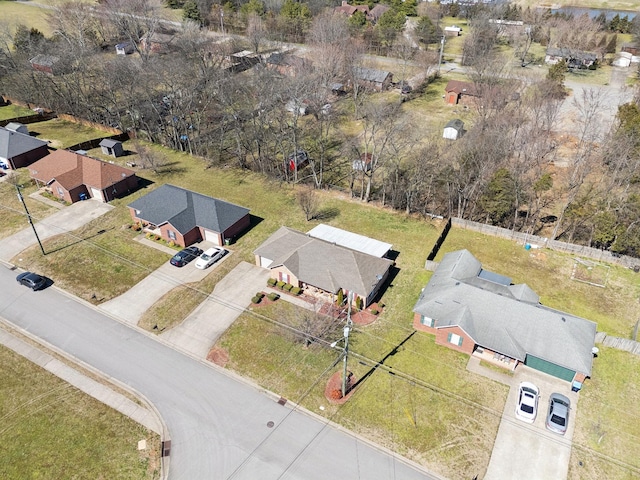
29,218
441,52
347,329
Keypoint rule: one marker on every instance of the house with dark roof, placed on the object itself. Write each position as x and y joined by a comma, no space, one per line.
287,64
457,91
185,217
320,267
372,79
573,58
482,313
349,10
72,176
19,150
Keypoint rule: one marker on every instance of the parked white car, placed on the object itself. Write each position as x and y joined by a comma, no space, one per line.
527,407
209,257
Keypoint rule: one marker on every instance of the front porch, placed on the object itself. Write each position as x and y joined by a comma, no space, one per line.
495,358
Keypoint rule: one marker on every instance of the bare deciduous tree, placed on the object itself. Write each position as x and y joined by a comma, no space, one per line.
308,201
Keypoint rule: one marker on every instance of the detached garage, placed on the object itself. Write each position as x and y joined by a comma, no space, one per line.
185,217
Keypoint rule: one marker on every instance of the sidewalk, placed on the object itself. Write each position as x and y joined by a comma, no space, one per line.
144,416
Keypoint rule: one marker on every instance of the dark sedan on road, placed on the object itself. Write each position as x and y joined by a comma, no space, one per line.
184,256
31,280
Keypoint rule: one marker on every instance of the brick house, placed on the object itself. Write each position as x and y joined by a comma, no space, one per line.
185,217
19,150
320,267
71,177
457,91
481,313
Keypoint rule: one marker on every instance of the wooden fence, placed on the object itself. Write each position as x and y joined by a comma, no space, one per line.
534,240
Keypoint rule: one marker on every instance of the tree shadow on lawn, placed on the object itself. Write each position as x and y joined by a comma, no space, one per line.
327,214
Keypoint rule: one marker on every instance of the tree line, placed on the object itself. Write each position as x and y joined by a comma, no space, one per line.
254,112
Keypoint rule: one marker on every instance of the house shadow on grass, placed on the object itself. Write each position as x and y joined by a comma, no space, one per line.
388,283
254,221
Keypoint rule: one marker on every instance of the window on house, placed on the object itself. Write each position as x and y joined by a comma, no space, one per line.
455,339
426,321
172,234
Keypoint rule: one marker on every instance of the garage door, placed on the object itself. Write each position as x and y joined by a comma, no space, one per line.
212,237
265,262
549,368
97,194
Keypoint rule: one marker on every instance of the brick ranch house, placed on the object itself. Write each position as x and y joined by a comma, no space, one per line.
73,177
185,217
320,267
457,92
481,313
19,150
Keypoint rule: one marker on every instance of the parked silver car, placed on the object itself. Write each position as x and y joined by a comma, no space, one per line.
558,417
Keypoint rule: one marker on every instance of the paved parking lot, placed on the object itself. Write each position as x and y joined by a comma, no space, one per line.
523,450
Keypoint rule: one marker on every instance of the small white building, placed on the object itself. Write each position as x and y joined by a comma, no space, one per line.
452,31
453,130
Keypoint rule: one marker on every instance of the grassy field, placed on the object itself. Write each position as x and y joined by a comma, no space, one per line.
607,431
63,134
629,5
14,218
12,111
52,430
14,13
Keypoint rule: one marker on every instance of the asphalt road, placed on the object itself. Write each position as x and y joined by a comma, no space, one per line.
219,426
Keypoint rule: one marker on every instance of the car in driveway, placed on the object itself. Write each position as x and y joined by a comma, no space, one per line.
32,280
185,255
209,257
558,417
527,407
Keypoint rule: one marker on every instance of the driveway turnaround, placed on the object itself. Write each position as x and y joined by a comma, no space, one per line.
531,451
220,427
213,316
69,218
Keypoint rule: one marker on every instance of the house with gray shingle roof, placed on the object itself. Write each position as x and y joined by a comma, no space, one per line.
185,217
322,268
19,150
482,313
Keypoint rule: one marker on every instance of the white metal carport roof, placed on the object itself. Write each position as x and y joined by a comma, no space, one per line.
356,242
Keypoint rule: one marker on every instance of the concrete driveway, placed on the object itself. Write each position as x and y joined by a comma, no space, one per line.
67,219
523,450
229,299
131,305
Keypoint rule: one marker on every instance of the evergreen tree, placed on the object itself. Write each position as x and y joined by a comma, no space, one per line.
190,11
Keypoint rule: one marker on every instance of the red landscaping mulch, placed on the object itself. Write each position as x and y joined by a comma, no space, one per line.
218,356
334,388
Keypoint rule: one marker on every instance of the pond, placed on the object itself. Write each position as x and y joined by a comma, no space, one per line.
594,12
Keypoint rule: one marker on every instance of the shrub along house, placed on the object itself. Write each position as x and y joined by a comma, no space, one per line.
71,177
322,268
185,217
481,313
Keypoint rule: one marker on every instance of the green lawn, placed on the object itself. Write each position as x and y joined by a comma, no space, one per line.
14,13
63,134
12,211
607,431
52,430
12,111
